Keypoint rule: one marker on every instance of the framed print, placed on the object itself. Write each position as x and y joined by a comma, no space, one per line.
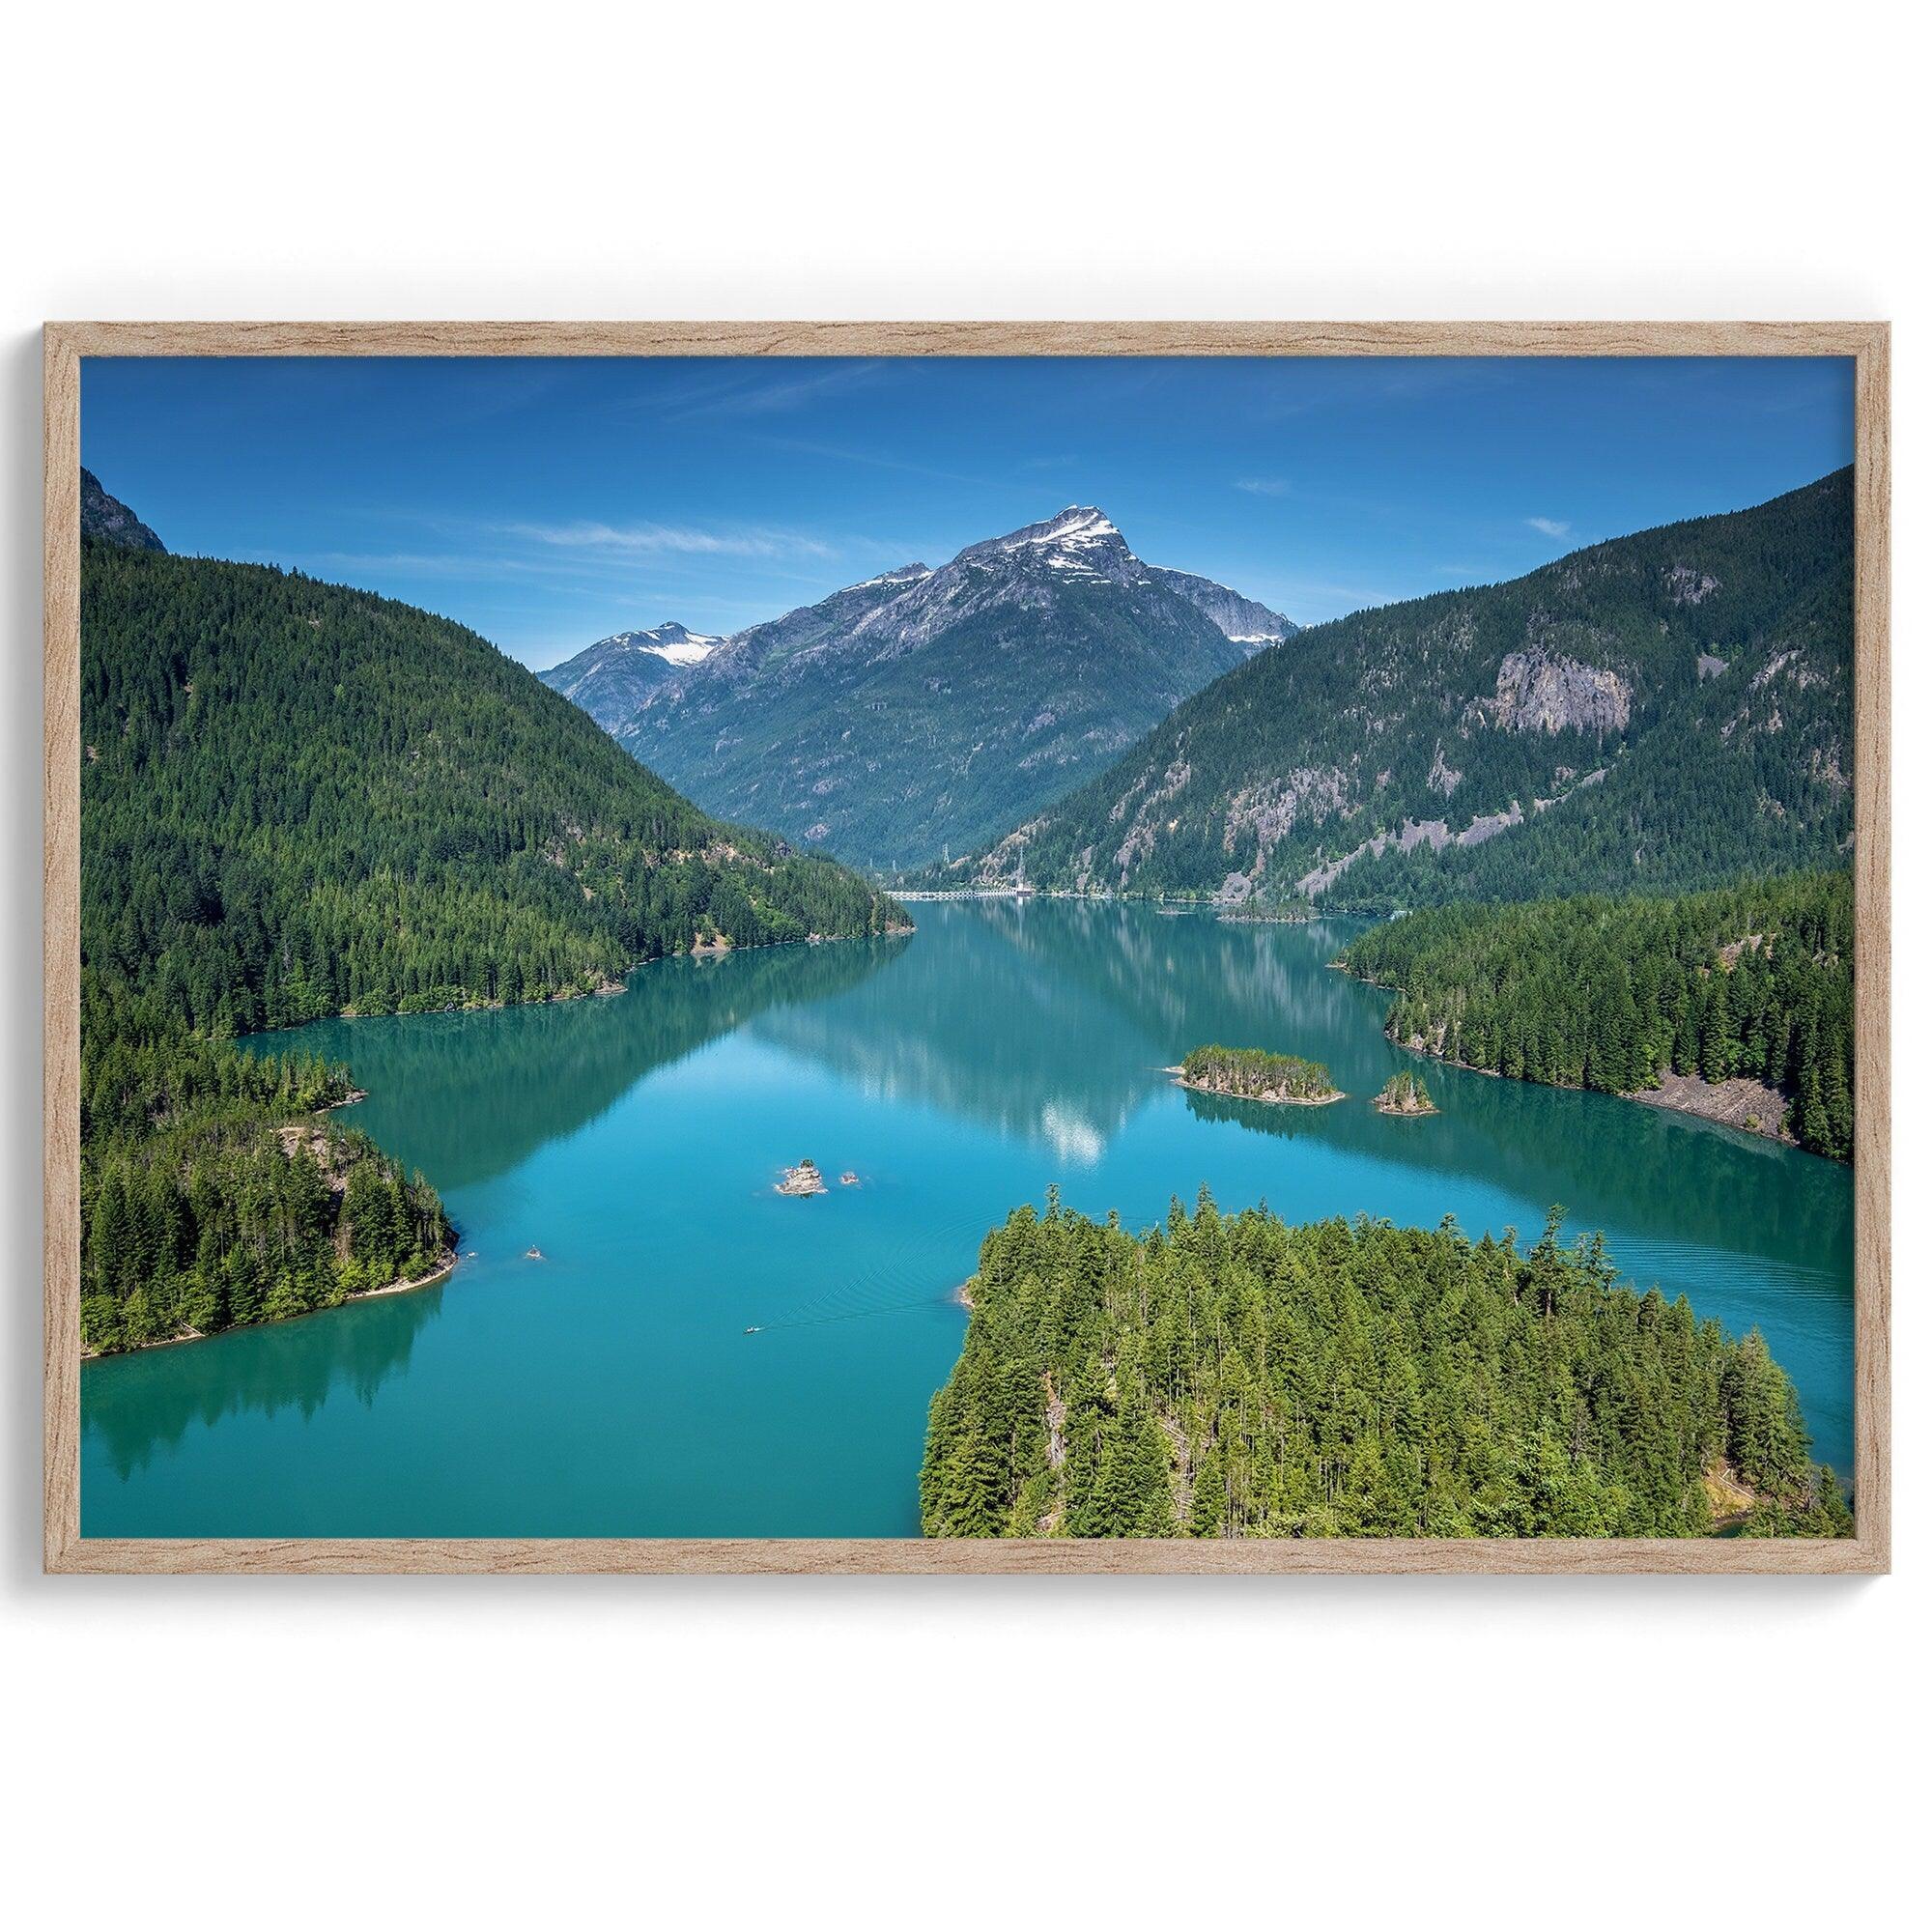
967,947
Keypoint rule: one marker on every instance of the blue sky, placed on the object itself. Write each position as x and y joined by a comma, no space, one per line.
546,503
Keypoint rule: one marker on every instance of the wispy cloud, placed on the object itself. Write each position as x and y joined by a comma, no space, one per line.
1262,486
1550,526
871,459
670,540
755,393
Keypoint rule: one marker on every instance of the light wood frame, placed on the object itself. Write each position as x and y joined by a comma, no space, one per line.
1868,1552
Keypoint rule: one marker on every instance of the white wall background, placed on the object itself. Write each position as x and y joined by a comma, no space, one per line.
205,1750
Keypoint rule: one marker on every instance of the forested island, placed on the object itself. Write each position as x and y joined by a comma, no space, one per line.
1248,1074
1752,983
299,801
1267,915
1405,1094
1231,1376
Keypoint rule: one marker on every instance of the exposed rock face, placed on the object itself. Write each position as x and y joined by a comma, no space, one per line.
1688,585
1826,769
1237,618
1788,664
1538,690
1269,813
1140,838
109,519
1430,832
1435,833
802,1180
1485,827
1737,1102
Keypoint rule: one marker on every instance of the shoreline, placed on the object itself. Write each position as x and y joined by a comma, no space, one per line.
402,1284
446,1266
1717,1102
1260,1099
1702,1102
1723,1103
603,991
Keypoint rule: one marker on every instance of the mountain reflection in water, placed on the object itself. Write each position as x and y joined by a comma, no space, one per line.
695,1355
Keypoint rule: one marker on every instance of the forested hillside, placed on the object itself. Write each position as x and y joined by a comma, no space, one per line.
209,1196
1663,711
1235,1376
300,799
1752,983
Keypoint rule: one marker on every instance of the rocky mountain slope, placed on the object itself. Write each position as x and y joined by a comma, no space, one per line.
613,676
1668,709
925,709
1243,620
109,519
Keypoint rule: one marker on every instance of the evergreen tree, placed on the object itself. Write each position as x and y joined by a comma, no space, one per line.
1755,980
1347,1378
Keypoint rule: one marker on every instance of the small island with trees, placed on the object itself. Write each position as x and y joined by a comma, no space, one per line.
1407,1096
1285,911
1249,1074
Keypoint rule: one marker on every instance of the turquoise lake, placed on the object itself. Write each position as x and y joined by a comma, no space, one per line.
610,1388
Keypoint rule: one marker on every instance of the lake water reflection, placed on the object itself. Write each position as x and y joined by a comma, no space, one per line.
612,1388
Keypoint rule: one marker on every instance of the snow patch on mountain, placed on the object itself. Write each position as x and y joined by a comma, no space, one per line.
671,642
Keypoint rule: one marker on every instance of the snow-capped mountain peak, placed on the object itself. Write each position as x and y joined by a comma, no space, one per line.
1078,527
671,642
1080,542
613,676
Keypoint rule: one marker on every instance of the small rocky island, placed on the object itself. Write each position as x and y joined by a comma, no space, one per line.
1407,1096
802,1180
1248,1074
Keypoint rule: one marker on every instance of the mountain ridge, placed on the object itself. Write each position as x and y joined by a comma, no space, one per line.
1663,709
108,520
906,715
611,678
